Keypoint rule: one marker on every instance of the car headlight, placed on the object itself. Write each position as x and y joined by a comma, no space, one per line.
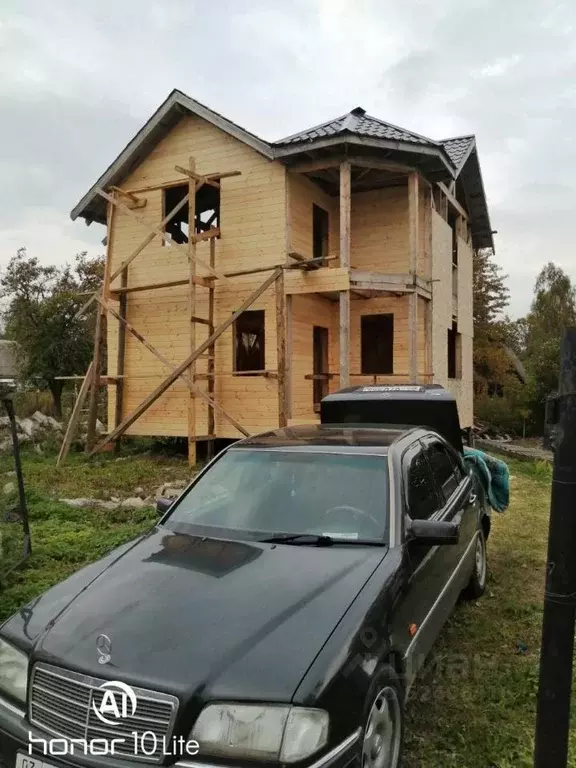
264,732
13,671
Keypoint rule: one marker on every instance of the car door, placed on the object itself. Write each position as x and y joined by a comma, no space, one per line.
422,501
454,486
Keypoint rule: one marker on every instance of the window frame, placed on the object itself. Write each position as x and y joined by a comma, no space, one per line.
413,451
458,465
235,345
363,368
323,215
454,337
183,214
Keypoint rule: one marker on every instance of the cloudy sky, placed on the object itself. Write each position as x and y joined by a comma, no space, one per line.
78,79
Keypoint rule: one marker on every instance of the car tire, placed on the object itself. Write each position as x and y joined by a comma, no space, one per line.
477,584
382,737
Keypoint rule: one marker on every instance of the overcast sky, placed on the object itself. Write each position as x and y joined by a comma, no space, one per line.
78,79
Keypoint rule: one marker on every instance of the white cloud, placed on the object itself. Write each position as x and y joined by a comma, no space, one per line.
77,80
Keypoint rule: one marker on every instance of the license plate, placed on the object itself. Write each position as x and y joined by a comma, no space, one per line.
26,761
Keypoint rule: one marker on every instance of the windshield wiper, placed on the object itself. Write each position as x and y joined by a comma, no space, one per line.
304,539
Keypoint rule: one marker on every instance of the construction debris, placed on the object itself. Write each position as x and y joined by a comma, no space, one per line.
38,429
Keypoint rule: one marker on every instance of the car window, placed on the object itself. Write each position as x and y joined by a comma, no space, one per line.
445,468
258,491
423,499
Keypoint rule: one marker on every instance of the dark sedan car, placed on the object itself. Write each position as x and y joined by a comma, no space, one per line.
277,614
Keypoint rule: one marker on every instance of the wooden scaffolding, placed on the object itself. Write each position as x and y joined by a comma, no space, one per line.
109,296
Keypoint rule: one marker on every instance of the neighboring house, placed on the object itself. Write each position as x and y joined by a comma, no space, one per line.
390,216
8,366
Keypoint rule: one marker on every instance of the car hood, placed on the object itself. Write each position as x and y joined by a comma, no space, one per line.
206,617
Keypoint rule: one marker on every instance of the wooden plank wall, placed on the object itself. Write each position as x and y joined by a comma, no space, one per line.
379,231
399,307
303,194
308,311
253,222
442,314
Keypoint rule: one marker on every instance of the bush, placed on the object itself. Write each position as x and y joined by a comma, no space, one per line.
506,414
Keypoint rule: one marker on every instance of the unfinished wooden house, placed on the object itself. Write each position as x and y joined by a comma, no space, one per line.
246,279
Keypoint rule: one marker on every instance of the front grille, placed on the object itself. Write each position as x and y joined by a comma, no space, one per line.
64,703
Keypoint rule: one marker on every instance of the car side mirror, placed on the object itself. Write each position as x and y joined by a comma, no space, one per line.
163,505
433,532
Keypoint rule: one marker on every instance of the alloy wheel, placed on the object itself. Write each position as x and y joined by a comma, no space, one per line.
382,735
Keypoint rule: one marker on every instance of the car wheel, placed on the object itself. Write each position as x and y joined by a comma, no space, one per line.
383,731
477,583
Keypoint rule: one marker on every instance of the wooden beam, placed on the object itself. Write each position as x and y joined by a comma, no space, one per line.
178,182
192,301
151,287
281,350
319,164
75,416
211,355
378,164
206,235
134,201
303,261
344,299
120,357
360,161
169,380
194,388
100,333
452,200
413,244
196,176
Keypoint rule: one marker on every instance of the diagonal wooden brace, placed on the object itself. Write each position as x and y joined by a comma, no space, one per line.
167,383
191,386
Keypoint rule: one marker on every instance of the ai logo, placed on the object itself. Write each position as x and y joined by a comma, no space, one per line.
118,702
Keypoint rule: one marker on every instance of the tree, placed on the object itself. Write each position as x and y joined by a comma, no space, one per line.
491,327
42,302
553,309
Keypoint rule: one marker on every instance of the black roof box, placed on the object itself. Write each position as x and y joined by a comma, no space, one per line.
426,405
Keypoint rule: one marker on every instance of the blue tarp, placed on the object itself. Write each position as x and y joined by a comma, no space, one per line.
493,475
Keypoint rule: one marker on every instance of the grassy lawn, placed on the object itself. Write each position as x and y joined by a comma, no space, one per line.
473,708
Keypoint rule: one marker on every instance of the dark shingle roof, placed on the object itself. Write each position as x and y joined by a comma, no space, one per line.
458,148
361,124
456,157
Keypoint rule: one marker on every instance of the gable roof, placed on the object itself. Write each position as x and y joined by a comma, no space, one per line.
448,157
92,207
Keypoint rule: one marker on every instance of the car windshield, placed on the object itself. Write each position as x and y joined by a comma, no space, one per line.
259,492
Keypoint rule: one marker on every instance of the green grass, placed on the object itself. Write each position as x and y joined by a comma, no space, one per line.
63,538
474,706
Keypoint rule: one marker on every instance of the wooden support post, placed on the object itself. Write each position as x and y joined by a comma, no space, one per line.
413,241
192,308
169,380
429,303
345,215
211,351
75,416
281,350
99,337
121,354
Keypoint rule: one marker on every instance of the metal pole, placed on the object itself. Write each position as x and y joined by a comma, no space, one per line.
556,658
9,406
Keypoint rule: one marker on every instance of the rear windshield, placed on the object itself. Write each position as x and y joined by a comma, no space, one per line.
258,491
